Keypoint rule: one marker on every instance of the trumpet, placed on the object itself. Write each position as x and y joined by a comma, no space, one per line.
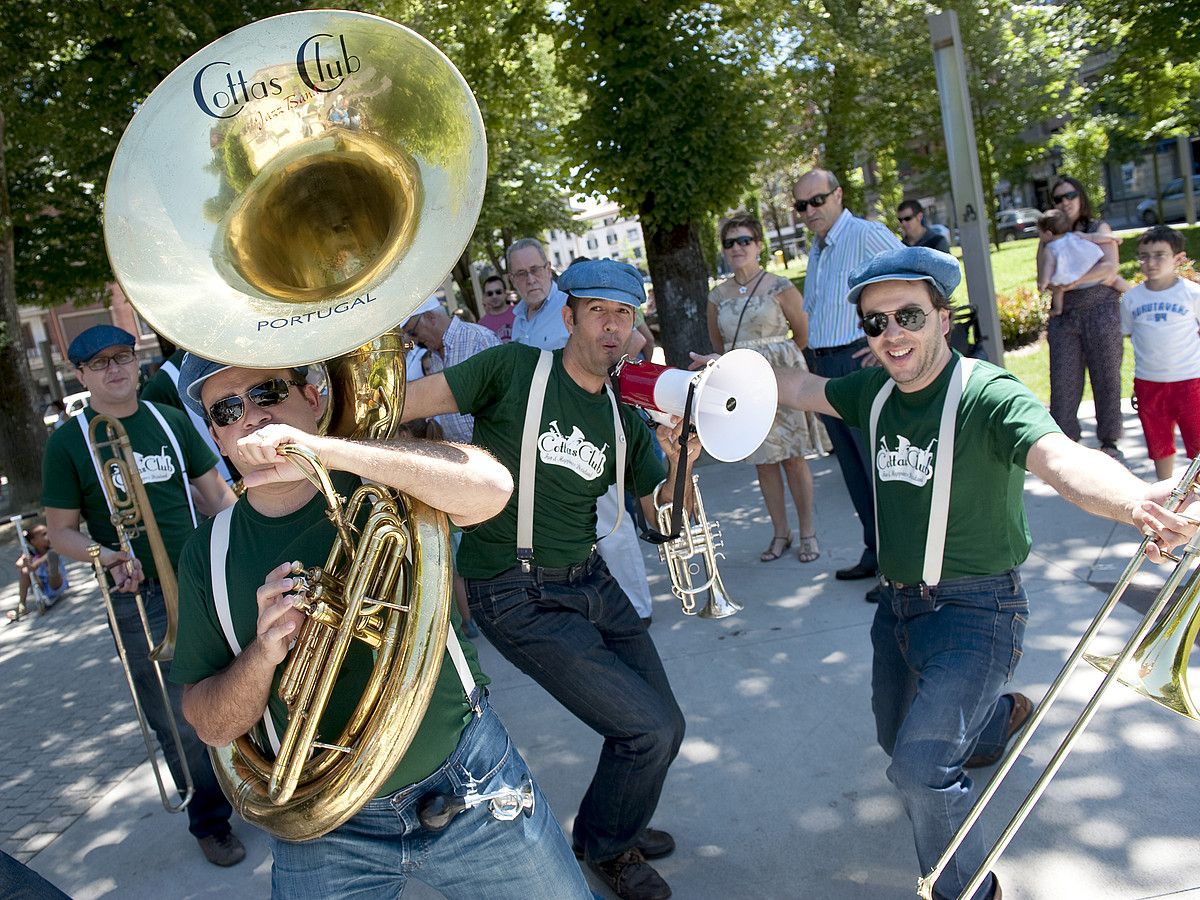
698,544
1153,662
132,517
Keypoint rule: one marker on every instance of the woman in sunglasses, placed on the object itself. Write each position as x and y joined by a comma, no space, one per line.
765,312
1087,335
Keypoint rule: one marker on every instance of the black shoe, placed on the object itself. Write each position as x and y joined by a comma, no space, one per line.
223,850
653,843
855,572
875,594
630,877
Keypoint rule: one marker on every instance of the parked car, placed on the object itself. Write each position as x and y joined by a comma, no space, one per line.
1172,202
74,404
1012,224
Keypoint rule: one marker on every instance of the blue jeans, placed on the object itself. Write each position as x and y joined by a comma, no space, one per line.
577,635
475,856
942,658
209,811
849,445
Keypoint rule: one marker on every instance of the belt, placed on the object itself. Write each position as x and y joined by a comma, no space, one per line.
540,574
829,351
763,341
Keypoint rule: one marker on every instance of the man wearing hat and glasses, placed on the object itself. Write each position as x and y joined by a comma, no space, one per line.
951,441
237,630
537,588
182,484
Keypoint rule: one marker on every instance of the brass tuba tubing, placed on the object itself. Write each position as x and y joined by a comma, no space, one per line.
1136,639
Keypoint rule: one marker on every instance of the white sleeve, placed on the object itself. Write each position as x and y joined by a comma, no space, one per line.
1126,313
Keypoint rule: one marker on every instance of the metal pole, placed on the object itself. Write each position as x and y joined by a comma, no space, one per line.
965,183
1184,143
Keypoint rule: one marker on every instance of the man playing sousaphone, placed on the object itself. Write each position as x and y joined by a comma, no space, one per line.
461,754
535,583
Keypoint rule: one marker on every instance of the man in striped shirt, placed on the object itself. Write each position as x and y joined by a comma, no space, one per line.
836,343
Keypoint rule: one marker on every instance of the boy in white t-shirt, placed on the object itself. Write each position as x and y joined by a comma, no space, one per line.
1162,314
1069,255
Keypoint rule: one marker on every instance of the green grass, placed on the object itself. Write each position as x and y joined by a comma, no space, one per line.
1014,265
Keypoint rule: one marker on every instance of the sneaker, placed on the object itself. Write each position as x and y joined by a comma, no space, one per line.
222,850
630,877
653,842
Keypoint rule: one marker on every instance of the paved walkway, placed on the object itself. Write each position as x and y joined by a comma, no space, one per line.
779,790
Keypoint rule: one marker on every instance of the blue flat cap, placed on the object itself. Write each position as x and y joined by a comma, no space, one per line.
99,337
907,264
195,370
604,279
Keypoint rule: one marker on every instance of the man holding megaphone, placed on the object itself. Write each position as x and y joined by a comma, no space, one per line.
536,586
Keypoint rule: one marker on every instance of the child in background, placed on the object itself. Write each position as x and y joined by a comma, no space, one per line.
1069,255
1162,315
44,564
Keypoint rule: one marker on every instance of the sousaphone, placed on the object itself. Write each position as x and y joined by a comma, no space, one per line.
289,194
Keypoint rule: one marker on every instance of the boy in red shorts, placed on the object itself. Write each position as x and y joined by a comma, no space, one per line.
1162,314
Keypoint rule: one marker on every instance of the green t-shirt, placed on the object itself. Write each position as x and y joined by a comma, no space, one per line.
998,421
69,479
576,457
257,545
160,389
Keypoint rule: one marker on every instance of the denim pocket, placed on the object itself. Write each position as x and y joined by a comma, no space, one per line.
1019,621
493,604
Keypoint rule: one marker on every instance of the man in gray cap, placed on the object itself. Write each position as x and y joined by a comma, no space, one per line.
237,629
536,586
182,484
951,440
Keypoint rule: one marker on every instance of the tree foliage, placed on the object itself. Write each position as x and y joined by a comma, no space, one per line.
668,127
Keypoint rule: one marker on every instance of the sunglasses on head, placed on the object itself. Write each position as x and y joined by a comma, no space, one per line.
742,240
231,409
816,200
910,318
1066,195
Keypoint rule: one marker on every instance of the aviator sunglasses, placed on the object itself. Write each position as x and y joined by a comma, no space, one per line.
231,409
742,240
910,318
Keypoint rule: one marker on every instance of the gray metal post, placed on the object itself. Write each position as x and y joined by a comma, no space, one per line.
1184,143
965,183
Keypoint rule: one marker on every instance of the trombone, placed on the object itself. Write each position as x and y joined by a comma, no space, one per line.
131,517
1153,662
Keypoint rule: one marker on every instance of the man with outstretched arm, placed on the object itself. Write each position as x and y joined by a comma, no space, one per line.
537,586
951,440
236,632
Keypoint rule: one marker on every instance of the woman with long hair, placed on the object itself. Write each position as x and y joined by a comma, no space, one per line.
1087,335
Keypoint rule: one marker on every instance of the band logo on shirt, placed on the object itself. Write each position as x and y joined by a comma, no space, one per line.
907,462
152,469
573,451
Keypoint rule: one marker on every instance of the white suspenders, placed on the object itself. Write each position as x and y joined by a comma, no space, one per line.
201,425
528,467
939,502
187,487
218,548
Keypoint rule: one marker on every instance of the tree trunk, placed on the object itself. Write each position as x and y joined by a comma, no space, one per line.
23,438
680,289
466,285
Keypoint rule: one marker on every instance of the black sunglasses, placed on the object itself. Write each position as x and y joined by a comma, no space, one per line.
910,318
905,218
816,200
231,409
742,240
1066,195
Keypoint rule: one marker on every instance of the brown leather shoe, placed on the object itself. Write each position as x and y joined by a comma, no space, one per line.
630,877
1022,708
222,850
653,842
